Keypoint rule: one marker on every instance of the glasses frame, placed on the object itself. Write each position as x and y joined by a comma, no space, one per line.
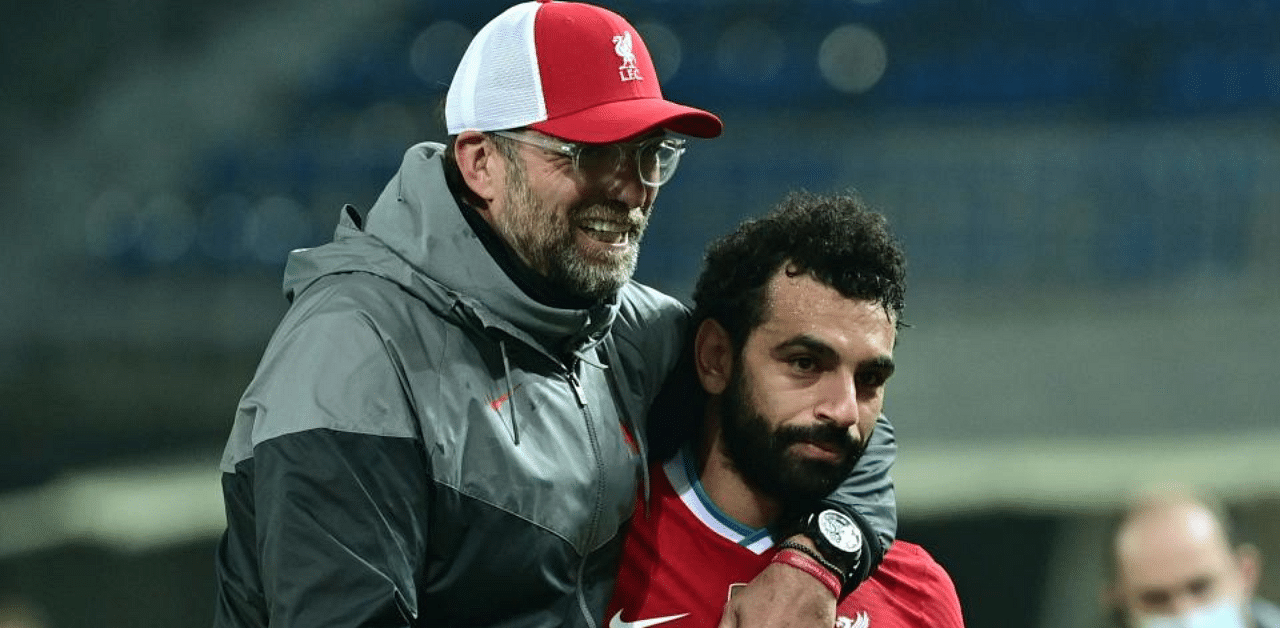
573,150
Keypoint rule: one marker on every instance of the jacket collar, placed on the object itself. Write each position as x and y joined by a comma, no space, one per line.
417,236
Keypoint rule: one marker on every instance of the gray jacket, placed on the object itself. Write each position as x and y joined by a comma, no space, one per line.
423,444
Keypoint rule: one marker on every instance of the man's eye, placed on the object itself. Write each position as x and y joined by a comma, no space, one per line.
804,364
871,380
1201,587
597,157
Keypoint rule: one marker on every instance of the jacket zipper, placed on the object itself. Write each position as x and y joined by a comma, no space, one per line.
581,397
576,385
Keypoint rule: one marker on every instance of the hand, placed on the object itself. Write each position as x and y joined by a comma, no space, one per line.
781,597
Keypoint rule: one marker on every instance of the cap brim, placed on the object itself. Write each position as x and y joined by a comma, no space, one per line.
625,119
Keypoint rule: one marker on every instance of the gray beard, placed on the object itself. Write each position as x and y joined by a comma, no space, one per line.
550,250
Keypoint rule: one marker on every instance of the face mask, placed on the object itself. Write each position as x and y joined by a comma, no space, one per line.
1227,613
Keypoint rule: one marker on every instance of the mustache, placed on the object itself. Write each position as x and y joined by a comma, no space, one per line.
839,439
635,218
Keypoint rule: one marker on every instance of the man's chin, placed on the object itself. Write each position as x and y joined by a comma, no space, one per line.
815,478
597,278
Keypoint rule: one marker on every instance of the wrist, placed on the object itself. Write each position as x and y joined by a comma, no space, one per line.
792,557
837,541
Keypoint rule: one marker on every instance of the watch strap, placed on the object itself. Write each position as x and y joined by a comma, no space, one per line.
868,558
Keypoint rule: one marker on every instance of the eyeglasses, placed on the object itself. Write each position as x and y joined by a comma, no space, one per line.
656,158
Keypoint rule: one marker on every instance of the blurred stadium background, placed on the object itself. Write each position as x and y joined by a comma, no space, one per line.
1088,191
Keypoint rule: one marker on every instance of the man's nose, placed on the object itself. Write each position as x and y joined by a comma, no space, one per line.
839,401
626,187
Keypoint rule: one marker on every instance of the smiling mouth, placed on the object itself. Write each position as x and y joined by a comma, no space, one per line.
607,231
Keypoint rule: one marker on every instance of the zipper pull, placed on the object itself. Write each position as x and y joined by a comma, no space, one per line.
578,393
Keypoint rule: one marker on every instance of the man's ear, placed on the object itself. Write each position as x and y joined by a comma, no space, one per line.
713,356
480,164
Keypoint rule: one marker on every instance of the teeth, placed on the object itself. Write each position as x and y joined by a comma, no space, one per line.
607,231
606,226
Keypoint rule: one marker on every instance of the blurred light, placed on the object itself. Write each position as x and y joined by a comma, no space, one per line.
277,226
852,58
134,508
664,47
167,229
111,223
436,51
750,51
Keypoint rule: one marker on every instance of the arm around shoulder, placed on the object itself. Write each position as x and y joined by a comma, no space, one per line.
867,496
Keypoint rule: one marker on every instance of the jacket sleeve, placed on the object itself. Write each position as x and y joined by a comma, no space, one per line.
327,511
868,495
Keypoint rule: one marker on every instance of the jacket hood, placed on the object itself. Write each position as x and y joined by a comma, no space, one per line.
416,236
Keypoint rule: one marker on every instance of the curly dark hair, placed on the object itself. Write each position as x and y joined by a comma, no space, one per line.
836,239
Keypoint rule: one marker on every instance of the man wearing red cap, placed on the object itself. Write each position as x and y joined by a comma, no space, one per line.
450,424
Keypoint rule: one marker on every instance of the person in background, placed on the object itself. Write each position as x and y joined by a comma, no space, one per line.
449,425
797,315
1174,564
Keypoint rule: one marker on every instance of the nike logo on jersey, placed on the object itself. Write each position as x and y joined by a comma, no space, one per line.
861,620
617,622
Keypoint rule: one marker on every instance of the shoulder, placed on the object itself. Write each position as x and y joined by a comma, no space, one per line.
358,301
639,305
336,361
647,338
908,561
649,321
908,553
917,581
349,291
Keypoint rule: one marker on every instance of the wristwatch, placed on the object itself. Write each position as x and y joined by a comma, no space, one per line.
838,539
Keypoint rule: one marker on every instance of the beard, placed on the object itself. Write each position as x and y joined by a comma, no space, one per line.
548,244
761,455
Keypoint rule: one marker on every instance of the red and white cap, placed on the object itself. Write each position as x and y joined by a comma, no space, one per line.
575,71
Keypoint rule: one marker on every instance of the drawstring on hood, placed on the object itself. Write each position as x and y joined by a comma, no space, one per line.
511,404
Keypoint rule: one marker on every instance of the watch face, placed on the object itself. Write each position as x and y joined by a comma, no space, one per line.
840,531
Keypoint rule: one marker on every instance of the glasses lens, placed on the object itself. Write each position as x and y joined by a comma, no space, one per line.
657,160
599,160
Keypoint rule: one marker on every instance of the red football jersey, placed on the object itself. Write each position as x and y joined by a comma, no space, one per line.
684,558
